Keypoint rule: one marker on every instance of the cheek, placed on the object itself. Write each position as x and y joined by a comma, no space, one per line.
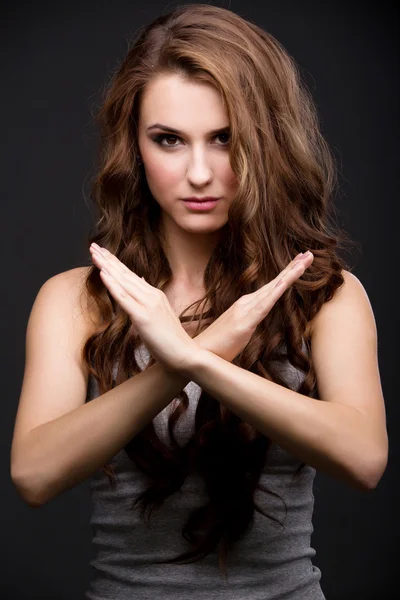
229,178
161,175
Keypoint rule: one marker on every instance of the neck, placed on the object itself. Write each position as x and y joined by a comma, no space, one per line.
188,253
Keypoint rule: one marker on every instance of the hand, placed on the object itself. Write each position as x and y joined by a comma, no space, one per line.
149,310
228,335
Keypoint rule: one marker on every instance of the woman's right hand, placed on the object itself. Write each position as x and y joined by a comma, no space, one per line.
228,335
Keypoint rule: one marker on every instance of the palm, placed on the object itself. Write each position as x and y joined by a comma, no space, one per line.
228,335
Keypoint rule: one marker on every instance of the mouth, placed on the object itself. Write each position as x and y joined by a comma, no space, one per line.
201,204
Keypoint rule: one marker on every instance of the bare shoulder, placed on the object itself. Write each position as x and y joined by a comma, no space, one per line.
84,309
350,296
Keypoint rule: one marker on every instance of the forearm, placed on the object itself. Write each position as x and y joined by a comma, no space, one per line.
329,436
62,453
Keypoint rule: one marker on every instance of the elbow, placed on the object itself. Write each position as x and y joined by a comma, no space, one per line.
373,473
26,490
29,497
377,475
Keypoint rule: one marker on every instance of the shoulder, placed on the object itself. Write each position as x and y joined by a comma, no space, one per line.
348,301
69,287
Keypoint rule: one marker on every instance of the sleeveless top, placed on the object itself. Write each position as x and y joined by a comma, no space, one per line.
268,563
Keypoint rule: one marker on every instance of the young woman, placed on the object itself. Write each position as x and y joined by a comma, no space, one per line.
201,433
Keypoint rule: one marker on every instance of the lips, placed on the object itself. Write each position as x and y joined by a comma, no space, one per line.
203,199
201,205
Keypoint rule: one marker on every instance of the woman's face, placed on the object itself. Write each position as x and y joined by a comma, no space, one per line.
192,162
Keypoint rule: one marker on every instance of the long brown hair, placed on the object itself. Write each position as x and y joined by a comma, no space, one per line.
286,180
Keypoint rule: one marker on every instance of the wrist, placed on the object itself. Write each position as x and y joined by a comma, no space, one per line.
172,374
196,356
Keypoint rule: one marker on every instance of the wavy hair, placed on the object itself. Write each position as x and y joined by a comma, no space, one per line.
286,179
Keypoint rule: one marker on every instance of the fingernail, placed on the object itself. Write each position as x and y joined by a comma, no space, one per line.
307,254
298,256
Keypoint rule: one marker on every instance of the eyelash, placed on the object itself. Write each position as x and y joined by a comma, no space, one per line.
159,138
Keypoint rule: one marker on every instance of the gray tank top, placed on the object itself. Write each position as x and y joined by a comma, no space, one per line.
269,563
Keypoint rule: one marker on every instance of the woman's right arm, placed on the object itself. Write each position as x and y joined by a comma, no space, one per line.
59,440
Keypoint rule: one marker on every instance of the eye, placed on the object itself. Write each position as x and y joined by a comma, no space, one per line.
169,136
226,133
162,136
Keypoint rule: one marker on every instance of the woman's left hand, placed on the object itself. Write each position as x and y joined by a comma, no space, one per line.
150,311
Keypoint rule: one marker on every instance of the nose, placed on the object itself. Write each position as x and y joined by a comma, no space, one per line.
199,172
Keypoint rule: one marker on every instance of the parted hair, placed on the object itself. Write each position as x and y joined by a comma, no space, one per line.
287,177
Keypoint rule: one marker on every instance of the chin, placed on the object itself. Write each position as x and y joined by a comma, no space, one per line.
200,224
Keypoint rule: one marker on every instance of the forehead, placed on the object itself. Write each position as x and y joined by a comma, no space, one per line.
182,103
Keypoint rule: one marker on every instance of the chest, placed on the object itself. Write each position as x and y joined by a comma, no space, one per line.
180,299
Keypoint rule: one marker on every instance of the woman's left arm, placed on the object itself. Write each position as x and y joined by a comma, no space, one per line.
344,433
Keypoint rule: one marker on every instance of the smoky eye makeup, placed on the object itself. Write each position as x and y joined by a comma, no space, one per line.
160,137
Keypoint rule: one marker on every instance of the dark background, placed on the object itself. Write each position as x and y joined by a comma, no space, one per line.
55,60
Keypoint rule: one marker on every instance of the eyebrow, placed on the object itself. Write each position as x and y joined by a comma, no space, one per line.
178,132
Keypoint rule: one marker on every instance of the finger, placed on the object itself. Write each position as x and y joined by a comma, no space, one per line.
275,288
125,279
109,260
292,273
298,260
287,278
267,287
106,257
124,299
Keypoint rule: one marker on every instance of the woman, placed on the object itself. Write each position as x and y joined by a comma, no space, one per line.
214,431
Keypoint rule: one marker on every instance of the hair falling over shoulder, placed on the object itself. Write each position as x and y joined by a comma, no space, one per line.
287,178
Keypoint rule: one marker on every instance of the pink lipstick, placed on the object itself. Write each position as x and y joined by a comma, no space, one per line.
206,203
